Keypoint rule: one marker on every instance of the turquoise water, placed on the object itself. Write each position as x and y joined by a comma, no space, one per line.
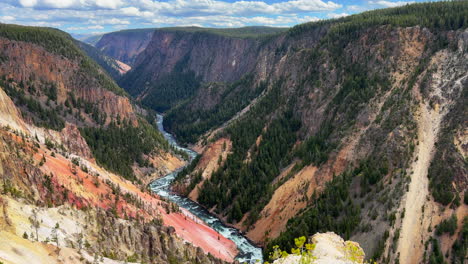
248,252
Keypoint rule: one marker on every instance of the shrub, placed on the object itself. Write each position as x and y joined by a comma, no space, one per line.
447,226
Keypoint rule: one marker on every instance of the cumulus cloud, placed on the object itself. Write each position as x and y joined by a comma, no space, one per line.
390,3
188,7
355,8
89,15
110,21
85,27
333,15
71,4
6,19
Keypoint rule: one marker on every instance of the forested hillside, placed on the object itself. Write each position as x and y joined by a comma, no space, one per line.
76,156
334,126
53,82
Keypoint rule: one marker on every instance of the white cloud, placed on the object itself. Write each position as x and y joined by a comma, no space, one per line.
28,3
355,8
81,15
306,6
390,3
71,4
85,28
230,21
333,15
132,11
188,7
6,19
110,21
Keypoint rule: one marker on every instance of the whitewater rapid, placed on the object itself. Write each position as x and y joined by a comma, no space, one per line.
248,252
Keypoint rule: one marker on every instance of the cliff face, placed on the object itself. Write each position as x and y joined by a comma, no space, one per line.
212,57
37,69
125,45
371,97
57,201
113,67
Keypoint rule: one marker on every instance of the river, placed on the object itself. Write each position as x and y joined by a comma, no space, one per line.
248,252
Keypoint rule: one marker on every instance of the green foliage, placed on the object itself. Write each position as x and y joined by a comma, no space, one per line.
357,89
189,124
118,148
334,210
42,115
51,91
242,32
460,247
107,63
437,256
315,149
447,226
302,249
171,89
444,15
9,188
247,185
378,252
448,165
53,40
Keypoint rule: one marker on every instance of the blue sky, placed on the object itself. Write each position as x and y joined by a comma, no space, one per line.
98,16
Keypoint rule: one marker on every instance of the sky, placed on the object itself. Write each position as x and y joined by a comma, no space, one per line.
99,16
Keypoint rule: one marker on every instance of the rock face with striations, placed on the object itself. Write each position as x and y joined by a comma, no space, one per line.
125,45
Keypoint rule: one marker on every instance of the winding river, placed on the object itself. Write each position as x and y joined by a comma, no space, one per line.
248,252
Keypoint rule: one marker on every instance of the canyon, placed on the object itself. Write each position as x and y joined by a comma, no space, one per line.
210,145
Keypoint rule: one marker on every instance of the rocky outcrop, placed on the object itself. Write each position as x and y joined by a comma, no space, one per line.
74,142
329,249
9,115
125,45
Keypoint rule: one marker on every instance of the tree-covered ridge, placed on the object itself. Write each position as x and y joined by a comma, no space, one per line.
60,43
107,63
442,15
118,147
336,208
242,32
172,88
24,97
38,102
189,124
243,183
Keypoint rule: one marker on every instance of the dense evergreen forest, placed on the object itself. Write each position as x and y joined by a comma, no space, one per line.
190,124
41,115
242,32
241,186
118,147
